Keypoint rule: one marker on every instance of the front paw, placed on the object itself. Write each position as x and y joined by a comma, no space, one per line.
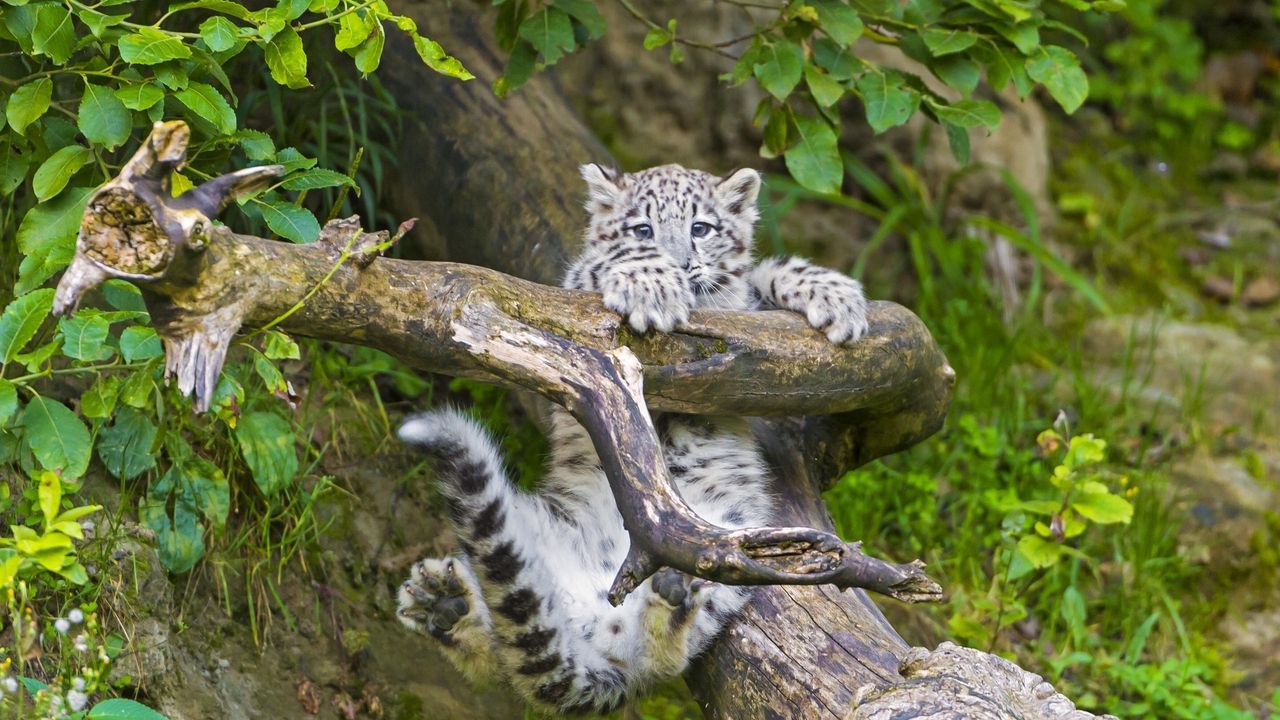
837,307
435,598
649,297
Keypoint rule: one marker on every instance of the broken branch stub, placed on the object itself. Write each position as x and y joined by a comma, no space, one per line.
203,282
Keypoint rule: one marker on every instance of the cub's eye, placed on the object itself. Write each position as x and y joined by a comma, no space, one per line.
700,229
644,232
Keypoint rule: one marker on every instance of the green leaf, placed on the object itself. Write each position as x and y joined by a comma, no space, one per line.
814,161
353,28
180,539
958,72
226,7
1003,65
317,178
270,374
586,13
292,160
888,103
838,20
781,68
140,343
13,168
139,96
124,446
267,442
219,33
21,320
656,38
99,401
172,75
98,23
53,34
257,145
103,118
550,33
279,346
50,495
1059,71
1039,552
209,489
206,102
8,401
47,236
958,140
287,60
290,221
1102,508
1024,36
52,175
839,62
826,91
57,438
944,41
369,53
84,337
519,68
28,104
437,59
137,389
152,46
968,113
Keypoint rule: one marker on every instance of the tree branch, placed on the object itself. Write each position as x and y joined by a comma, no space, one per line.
478,323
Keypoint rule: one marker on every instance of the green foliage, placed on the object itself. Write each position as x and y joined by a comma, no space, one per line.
1148,61
805,60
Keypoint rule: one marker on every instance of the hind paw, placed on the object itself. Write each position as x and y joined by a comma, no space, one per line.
674,587
436,597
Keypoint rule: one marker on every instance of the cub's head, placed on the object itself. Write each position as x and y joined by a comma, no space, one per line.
702,222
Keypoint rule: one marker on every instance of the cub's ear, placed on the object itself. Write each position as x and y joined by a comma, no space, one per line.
603,187
739,191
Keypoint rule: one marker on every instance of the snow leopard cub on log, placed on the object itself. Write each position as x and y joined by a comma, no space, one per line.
525,599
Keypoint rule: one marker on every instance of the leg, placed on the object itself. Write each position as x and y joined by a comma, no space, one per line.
637,281
442,599
832,302
520,550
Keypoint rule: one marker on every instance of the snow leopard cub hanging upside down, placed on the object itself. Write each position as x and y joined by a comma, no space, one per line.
525,599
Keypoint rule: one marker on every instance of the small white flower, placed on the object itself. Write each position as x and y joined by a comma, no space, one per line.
11,684
81,643
77,700
78,683
76,616
62,625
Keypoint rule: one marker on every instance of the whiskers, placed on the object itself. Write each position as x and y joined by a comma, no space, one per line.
712,293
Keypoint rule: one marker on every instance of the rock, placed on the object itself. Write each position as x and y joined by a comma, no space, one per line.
1236,379
1222,289
1260,292
1225,166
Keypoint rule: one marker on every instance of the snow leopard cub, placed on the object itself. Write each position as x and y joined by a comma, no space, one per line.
525,599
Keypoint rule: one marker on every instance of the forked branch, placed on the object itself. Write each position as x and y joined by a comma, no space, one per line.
203,283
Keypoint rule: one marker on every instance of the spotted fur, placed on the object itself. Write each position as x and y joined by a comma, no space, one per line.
525,598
